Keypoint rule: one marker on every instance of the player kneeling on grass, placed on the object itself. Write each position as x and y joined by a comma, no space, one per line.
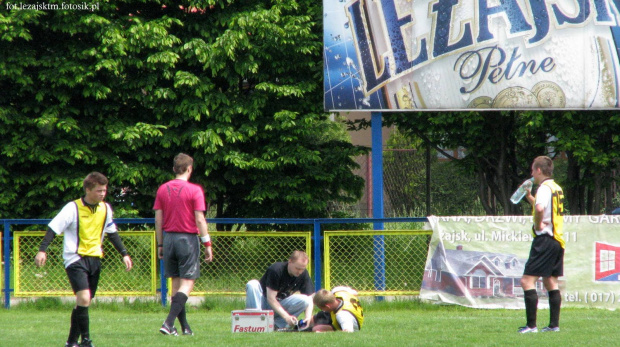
340,310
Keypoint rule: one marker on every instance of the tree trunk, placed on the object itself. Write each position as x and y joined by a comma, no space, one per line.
483,192
597,195
574,190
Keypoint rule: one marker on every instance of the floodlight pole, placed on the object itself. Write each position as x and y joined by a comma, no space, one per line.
377,199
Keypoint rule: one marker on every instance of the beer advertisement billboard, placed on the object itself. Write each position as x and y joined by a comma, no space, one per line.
395,55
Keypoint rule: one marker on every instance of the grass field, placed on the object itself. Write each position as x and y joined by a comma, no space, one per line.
401,323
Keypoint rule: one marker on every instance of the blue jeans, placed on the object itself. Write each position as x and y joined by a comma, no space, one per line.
256,299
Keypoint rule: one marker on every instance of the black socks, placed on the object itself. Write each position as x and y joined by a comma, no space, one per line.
555,301
74,331
531,305
176,306
82,320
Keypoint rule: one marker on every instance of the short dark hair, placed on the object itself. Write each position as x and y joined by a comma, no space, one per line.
545,164
93,179
181,162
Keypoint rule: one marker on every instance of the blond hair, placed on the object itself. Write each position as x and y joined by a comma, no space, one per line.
298,255
323,297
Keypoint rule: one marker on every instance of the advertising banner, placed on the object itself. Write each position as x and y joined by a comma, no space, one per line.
394,55
478,262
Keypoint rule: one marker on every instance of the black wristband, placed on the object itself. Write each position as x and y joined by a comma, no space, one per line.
160,245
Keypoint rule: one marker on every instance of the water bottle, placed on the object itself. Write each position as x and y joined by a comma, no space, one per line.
521,191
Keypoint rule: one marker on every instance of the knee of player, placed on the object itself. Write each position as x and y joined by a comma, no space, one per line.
252,284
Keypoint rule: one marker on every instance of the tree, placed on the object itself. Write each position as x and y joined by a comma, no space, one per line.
501,145
125,87
591,141
492,140
453,192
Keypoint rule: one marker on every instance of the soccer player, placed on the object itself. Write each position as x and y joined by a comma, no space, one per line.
84,222
340,310
546,258
285,288
179,220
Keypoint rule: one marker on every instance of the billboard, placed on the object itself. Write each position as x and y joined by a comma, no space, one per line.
395,55
478,262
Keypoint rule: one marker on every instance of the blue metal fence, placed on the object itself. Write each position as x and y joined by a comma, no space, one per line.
317,238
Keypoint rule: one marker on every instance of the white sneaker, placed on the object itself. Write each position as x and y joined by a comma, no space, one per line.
526,329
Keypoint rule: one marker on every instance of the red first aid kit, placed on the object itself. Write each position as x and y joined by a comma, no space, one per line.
252,321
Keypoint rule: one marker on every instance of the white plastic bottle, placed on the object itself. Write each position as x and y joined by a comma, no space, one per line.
521,191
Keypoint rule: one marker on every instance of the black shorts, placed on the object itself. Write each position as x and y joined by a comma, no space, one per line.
546,258
181,255
84,274
322,318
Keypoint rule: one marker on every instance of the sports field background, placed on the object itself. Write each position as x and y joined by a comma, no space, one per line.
395,323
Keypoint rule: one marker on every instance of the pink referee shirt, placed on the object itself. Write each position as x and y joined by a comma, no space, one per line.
178,199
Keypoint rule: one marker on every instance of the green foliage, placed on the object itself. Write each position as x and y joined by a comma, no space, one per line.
592,145
123,89
501,146
453,190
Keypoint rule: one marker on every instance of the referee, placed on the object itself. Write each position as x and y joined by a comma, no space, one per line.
179,221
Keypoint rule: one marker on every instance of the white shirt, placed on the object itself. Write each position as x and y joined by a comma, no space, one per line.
346,319
543,198
66,222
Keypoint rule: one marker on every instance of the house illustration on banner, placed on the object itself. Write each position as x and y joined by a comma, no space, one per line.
475,274
607,262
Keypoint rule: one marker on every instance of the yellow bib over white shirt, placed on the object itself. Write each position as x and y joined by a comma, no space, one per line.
83,229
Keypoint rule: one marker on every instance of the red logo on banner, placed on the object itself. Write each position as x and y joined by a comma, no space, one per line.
607,262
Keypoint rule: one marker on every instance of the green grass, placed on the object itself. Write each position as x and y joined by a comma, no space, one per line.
45,322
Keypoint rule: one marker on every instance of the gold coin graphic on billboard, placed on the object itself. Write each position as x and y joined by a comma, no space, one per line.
549,94
404,99
515,97
481,102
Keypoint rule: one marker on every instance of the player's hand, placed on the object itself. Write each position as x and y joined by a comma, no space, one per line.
208,254
128,263
291,321
40,259
530,198
160,252
308,322
540,227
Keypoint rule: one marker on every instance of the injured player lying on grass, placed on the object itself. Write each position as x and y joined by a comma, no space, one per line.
340,311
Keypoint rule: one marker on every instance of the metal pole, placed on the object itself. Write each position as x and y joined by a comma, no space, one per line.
6,243
164,283
428,179
377,199
368,186
318,254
